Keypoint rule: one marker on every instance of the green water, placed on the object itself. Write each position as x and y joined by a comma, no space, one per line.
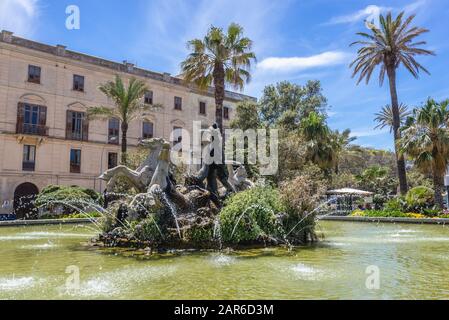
413,262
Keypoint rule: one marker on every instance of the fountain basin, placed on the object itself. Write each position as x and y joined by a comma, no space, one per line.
412,260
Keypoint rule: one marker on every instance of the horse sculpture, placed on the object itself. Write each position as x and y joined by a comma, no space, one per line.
141,177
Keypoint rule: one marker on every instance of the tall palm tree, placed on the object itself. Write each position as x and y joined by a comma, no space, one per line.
426,138
385,117
129,105
219,59
390,46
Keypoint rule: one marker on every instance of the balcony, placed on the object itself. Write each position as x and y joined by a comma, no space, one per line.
28,166
32,129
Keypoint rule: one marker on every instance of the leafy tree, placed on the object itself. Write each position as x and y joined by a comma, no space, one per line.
317,137
426,139
219,59
129,105
246,116
390,46
286,103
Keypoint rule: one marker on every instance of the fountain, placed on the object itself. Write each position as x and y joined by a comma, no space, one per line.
164,214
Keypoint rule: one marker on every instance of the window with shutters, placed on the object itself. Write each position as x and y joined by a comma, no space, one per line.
75,161
29,158
147,130
113,131
77,127
31,119
34,74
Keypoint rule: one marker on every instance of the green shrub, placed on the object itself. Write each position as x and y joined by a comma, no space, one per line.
420,199
250,214
71,199
146,230
395,204
386,214
199,233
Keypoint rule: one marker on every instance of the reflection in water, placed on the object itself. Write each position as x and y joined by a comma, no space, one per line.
412,260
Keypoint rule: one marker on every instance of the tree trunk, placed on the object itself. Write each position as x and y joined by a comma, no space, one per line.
219,84
400,161
124,142
438,187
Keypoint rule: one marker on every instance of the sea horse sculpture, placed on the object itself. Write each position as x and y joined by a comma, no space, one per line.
141,177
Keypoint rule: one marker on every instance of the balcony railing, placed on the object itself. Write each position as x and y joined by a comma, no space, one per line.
75,168
32,129
28,166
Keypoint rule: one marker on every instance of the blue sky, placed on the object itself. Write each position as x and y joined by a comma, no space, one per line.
294,40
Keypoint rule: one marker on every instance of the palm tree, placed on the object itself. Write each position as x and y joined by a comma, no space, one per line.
317,135
128,105
426,138
341,146
390,46
217,60
384,118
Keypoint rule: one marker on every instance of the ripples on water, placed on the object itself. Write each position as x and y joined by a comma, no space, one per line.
412,260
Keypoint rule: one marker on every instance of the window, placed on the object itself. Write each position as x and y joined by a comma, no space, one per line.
113,131
202,107
226,112
29,158
178,103
75,161
148,98
77,126
112,160
34,74
31,119
78,83
147,130
177,138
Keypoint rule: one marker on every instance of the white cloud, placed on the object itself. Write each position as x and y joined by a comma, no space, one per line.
19,16
370,13
293,64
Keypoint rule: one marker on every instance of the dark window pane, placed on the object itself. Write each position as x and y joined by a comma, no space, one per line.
78,119
33,121
34,74
202,107
148,97
113,131
147,130
178,103
226,112
78,83
29,158
112,160
75,161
